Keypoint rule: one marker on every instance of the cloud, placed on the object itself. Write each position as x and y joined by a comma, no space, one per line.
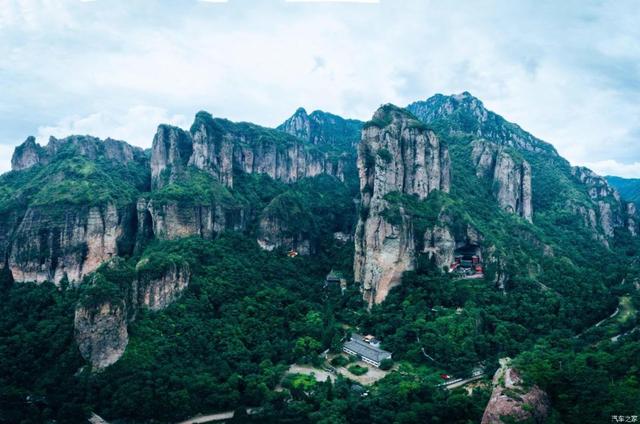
612,167
136,126
569,73
5,157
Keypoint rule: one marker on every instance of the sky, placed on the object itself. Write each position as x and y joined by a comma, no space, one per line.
568,72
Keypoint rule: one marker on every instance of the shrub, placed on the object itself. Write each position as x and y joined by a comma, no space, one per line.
358,370
386,364
385,155
339,361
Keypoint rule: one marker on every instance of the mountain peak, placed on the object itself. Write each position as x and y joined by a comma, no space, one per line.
322,128
464,114
390,113
26,155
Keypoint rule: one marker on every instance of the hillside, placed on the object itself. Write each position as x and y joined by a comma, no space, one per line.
151,286
629,188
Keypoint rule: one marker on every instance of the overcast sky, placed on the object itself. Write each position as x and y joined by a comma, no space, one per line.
569,72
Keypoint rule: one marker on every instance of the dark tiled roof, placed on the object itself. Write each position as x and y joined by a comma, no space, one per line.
363,348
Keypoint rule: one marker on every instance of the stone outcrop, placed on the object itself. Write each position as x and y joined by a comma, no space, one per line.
101,332
511,401
222,149
510,177
27,155
172,148
156,292
50,243
396,154
175,219
101,324
274,233
443,239
30,153
608,211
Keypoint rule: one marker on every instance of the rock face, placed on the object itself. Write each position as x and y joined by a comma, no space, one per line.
101,324
443,239
274,233
48,240
467,114
175,220
222,149
74,241
172,148
511,178
608,211
27,155
511,402
101,332
397,154
158,292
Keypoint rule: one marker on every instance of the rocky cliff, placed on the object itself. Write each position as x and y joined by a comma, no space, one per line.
50,243
156,291
27,155
75,211
397,154
442,240
510,177
179,219
512,401
607,211
274,232
101,332
171,151
112,297
223,148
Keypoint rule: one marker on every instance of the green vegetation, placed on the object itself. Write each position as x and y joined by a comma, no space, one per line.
586,382
339,361
72,180
385,155
386,364
196,188
358,370
248,314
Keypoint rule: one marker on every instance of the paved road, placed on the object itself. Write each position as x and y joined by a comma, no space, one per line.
463,382
220,416
209,418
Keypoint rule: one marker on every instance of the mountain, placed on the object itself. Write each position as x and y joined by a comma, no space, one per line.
151,286
629,188
323,128
466,114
